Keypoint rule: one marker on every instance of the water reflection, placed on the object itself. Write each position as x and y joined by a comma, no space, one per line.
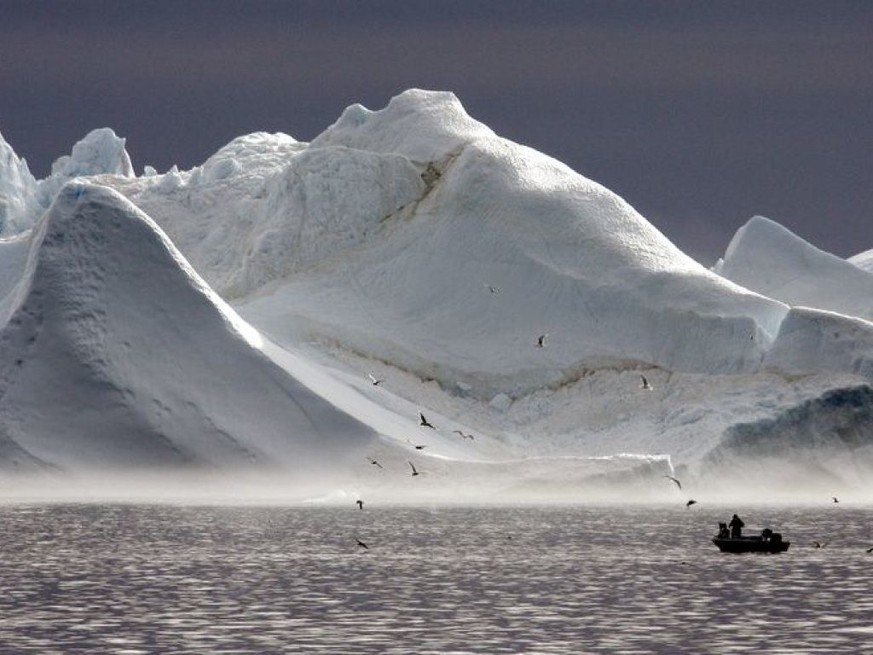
165,579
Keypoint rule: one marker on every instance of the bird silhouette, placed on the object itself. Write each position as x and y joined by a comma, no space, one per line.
463,436
417,446
374,380
541,340
360,504
423,422
835,499
870,550
374,462
644,383
414,471
670,477
690,503
819,544
361,544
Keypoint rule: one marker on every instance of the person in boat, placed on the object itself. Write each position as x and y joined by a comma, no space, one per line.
766,534
723,532
736,526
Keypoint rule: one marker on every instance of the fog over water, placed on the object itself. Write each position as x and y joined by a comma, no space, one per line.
130,578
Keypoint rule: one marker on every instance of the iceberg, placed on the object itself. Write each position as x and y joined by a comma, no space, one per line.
234,316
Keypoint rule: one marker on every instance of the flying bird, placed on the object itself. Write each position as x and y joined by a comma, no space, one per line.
463,436
417,446
361,544
374,380
644,383
374,462
870,550
819,544
670,477
360,504
423,422
414,471
690,503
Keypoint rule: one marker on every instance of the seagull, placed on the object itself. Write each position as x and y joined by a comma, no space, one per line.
374,462
670,477
835,499
417,446
361,543
423,422
414,472
819,544
374,380
690,503
644,383
541,340
463,436
360,504
491,289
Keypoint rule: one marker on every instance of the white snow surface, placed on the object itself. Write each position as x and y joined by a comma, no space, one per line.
413,245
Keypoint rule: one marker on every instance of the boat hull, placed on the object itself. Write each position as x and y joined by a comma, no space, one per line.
750,545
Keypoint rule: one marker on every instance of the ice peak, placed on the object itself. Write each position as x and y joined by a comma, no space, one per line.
17,187
422,125
101,151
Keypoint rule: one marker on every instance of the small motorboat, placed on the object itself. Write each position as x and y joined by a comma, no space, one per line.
766,542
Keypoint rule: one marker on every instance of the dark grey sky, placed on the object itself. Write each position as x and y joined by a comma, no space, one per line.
700,114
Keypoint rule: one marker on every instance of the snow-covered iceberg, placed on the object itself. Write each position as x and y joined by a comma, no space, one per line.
410,260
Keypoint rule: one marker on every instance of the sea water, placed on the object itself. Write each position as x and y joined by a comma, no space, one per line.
167,579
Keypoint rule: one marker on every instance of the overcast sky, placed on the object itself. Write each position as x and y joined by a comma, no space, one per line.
700,114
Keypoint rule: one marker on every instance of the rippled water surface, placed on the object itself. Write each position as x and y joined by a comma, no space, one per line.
167,579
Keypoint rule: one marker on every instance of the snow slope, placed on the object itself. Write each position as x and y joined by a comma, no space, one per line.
114,353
